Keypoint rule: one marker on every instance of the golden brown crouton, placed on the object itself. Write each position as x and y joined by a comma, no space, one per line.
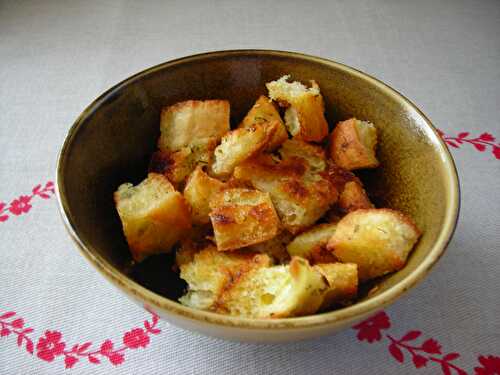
184,122
199,189
377,240
154,216
342,281
352,144
239,145
300,194
353,197
313,155
176,166
242,217
210,272
275,247
265,113
304,116
311,244
275,292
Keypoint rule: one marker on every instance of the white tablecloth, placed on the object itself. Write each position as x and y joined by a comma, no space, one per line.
57,56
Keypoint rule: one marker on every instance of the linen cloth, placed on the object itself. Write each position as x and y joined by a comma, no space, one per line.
57,56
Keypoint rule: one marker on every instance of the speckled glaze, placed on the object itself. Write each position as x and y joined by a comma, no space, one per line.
113,138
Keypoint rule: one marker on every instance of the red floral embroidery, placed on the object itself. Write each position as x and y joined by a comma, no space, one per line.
480,143
429,351
22,204
136,338
371,329
490,365
51,345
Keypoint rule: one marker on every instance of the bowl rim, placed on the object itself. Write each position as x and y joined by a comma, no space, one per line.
344,315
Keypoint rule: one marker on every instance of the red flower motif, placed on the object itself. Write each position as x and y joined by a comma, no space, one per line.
431,346
490,365
370,329
136,338
2,209
20,205
50,346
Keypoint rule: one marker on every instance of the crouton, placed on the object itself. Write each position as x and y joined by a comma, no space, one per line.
313,155
353,197
275,292
239,145
299,193
275,247
352,144
184,122
304,117
242,217
198,191
265,113
154,216
377,240
342,279
210,272
176,166
311,244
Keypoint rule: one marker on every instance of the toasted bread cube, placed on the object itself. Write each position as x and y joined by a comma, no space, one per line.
210,272
176,166
184,122
154,216
342,281
313,155
265,113
352,144
304,117
242,217
275,247
311,244
299,194
199,189
275,292
377,240
239,145
353,197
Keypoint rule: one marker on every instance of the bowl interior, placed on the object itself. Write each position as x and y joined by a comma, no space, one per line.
113,139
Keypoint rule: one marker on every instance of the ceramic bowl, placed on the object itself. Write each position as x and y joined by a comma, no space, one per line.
112,140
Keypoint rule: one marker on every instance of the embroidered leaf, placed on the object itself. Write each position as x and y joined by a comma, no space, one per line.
36,189
451,357
480,147
84,347
431,346
7,315
116,358
20,340
94,360
147,325
496,152
4,332
452,144
396,353
463,135
487,137
44,196
69,361
412,335
155,331
29,346
27,330
106,346
18,323
419,361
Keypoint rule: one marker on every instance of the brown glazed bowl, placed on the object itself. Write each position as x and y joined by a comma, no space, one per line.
112,140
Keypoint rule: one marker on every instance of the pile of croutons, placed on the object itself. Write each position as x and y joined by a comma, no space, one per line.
267,219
